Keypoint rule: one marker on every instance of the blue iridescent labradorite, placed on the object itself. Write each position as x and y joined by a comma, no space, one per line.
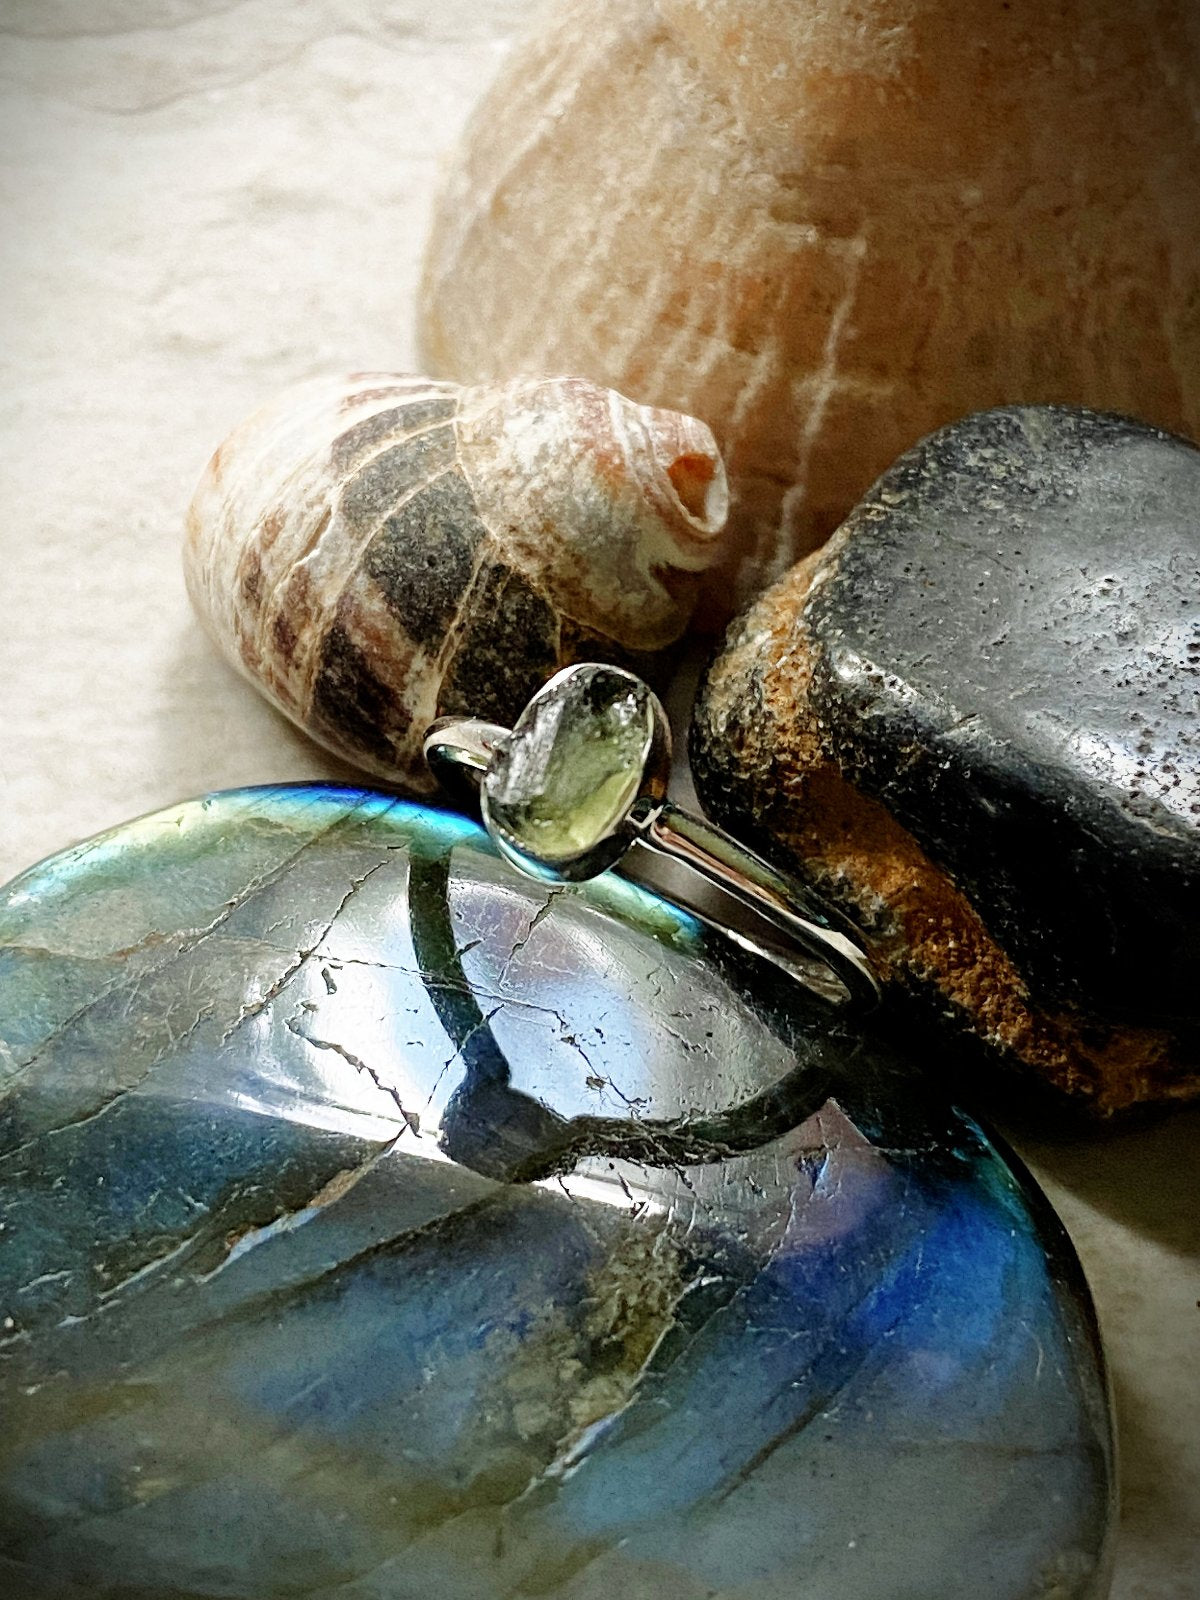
378,1224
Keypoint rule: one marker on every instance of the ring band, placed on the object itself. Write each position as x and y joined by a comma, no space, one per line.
578,785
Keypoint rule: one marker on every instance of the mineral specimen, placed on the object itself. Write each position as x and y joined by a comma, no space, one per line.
380,1224
975,719
562,786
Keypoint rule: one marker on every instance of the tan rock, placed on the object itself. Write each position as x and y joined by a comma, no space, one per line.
829,227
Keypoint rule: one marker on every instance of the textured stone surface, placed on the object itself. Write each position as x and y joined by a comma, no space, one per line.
201,204
377,550
829,226
379,1224
977,714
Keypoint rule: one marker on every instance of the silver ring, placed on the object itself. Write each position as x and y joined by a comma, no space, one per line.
578,785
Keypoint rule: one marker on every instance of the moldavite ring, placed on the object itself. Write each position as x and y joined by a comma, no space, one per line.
579,785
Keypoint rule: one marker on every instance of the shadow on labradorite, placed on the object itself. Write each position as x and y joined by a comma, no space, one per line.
378,1223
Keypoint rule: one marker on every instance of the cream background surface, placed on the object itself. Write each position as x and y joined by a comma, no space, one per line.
203,200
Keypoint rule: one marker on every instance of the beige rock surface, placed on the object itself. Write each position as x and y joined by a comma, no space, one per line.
829,228
201,203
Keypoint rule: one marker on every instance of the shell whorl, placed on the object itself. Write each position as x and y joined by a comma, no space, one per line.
377,550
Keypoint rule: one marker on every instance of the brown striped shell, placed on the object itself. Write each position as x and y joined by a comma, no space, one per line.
377,550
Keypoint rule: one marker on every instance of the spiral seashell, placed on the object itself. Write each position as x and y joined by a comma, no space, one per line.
829,228
377,550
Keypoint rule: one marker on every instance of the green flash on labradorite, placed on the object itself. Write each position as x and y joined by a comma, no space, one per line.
582,773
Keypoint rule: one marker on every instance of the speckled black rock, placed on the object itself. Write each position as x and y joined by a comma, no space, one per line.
1002,648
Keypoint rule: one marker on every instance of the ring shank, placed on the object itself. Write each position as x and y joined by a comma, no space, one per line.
705,871
758,907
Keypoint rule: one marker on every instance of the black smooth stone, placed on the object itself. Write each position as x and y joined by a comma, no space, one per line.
1006,653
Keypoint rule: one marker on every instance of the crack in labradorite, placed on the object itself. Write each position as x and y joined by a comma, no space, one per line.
499,1130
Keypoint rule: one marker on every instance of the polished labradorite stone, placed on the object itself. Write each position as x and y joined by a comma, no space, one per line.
379,1224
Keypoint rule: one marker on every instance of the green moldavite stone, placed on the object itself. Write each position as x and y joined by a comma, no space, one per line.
573,766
